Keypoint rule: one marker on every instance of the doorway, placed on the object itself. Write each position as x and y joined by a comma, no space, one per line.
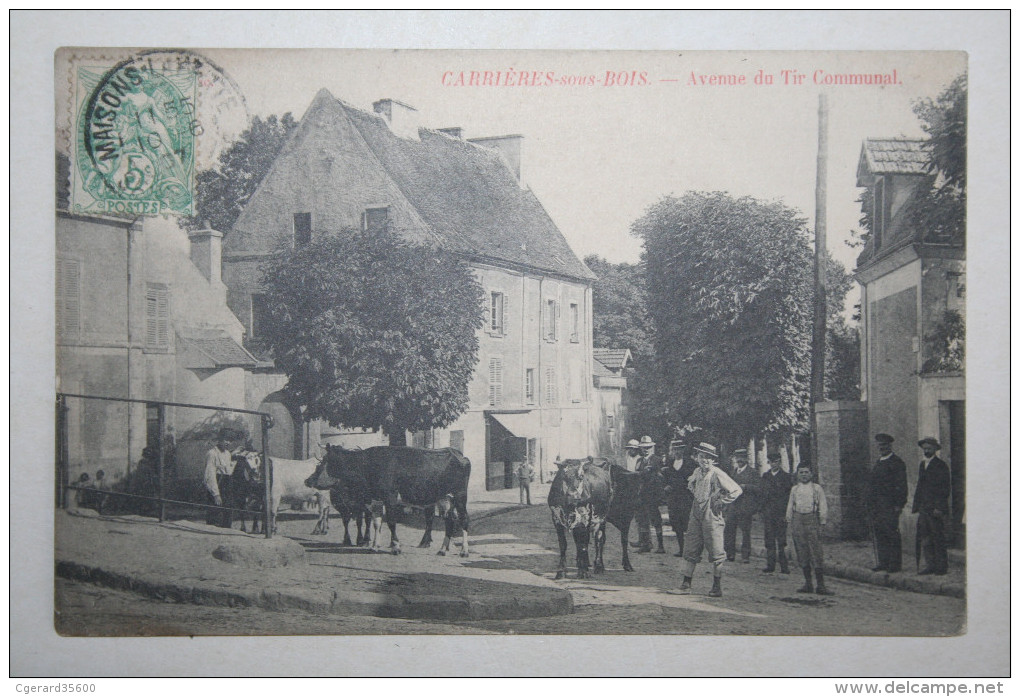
952,415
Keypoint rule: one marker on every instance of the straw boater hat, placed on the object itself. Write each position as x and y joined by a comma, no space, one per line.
931,440
707,449
740,452
647,442
632,443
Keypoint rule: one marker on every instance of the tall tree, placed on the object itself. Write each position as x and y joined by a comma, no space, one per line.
221,193
373,331
620,320
729,290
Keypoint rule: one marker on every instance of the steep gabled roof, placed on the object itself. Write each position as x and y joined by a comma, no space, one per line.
891,156
469,198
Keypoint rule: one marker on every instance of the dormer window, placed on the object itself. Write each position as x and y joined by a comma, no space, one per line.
375,219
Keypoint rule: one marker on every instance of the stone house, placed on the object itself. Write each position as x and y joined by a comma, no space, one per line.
141,314
913,294
531,396
610,381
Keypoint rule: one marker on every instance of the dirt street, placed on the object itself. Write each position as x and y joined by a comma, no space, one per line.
617,602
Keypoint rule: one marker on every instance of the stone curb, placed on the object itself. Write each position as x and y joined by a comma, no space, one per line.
432,607
899,581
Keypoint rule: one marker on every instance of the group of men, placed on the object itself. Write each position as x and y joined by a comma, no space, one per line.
709,506
886,496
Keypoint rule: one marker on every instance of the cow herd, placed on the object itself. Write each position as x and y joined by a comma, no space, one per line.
369,486
375,485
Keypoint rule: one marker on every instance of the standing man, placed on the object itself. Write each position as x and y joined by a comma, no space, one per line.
931,503
713,491
741,513
679,498
648,514
525,475
886,496
775,490
219,465
633,455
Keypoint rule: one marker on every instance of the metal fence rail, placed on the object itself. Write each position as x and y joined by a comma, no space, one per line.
64,486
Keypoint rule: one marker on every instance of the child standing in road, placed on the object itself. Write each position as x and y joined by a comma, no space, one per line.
807,513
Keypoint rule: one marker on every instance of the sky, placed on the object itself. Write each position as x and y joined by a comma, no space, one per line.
597,156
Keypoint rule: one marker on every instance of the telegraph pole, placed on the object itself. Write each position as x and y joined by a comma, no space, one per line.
818,335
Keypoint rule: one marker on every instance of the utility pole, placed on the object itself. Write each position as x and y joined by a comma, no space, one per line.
818,335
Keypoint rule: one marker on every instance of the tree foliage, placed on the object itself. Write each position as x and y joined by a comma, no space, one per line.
730,295
620,320
223,192
373,331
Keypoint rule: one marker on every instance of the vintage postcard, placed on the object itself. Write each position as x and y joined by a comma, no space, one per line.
452,342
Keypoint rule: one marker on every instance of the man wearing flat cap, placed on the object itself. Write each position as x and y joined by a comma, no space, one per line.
775,486
931,503
677,472
886,496
740,515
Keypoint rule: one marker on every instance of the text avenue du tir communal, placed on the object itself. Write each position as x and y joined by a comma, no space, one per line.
641,78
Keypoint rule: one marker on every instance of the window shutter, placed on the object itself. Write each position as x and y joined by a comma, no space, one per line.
157,316
495,382
504,300
550,385
68,298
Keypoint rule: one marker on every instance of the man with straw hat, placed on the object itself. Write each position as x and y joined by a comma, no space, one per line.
713,491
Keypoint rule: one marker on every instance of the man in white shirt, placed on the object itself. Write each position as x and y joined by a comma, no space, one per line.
219,465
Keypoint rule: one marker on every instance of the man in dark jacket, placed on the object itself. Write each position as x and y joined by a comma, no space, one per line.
931,503
740,515
676,473
775,493
886,496
648,516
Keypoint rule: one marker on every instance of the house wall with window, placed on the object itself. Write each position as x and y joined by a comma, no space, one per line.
913,287
135,316
346,168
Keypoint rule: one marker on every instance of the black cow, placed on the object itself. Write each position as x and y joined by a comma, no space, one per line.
627,499
244,489
398,477
579,500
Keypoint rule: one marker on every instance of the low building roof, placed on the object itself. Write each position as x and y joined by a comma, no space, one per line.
613,359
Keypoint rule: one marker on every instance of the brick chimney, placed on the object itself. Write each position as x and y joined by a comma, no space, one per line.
206,251
509,147
403,119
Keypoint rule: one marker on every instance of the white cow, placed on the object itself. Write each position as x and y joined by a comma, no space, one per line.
289,486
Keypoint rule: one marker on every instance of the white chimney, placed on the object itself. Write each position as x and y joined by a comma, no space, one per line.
509,147
206,253
403,119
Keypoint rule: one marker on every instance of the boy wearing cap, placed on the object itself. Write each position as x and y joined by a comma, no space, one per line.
713,491
633,455
807,513
931,503
886,496
775,486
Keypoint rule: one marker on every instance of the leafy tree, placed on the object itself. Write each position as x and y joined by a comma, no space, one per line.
729,292
222,192
373,331
941,209
620,320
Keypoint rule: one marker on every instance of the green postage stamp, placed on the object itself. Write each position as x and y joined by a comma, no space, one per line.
134,135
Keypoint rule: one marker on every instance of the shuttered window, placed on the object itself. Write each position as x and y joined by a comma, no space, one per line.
157,316
551,310
575,334
68,299
497,313
551,395
495,381
529,386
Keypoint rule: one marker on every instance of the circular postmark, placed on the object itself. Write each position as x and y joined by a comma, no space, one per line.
145,127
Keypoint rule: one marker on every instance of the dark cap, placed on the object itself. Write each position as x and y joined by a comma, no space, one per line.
883,438
774,455
740,452
930,440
